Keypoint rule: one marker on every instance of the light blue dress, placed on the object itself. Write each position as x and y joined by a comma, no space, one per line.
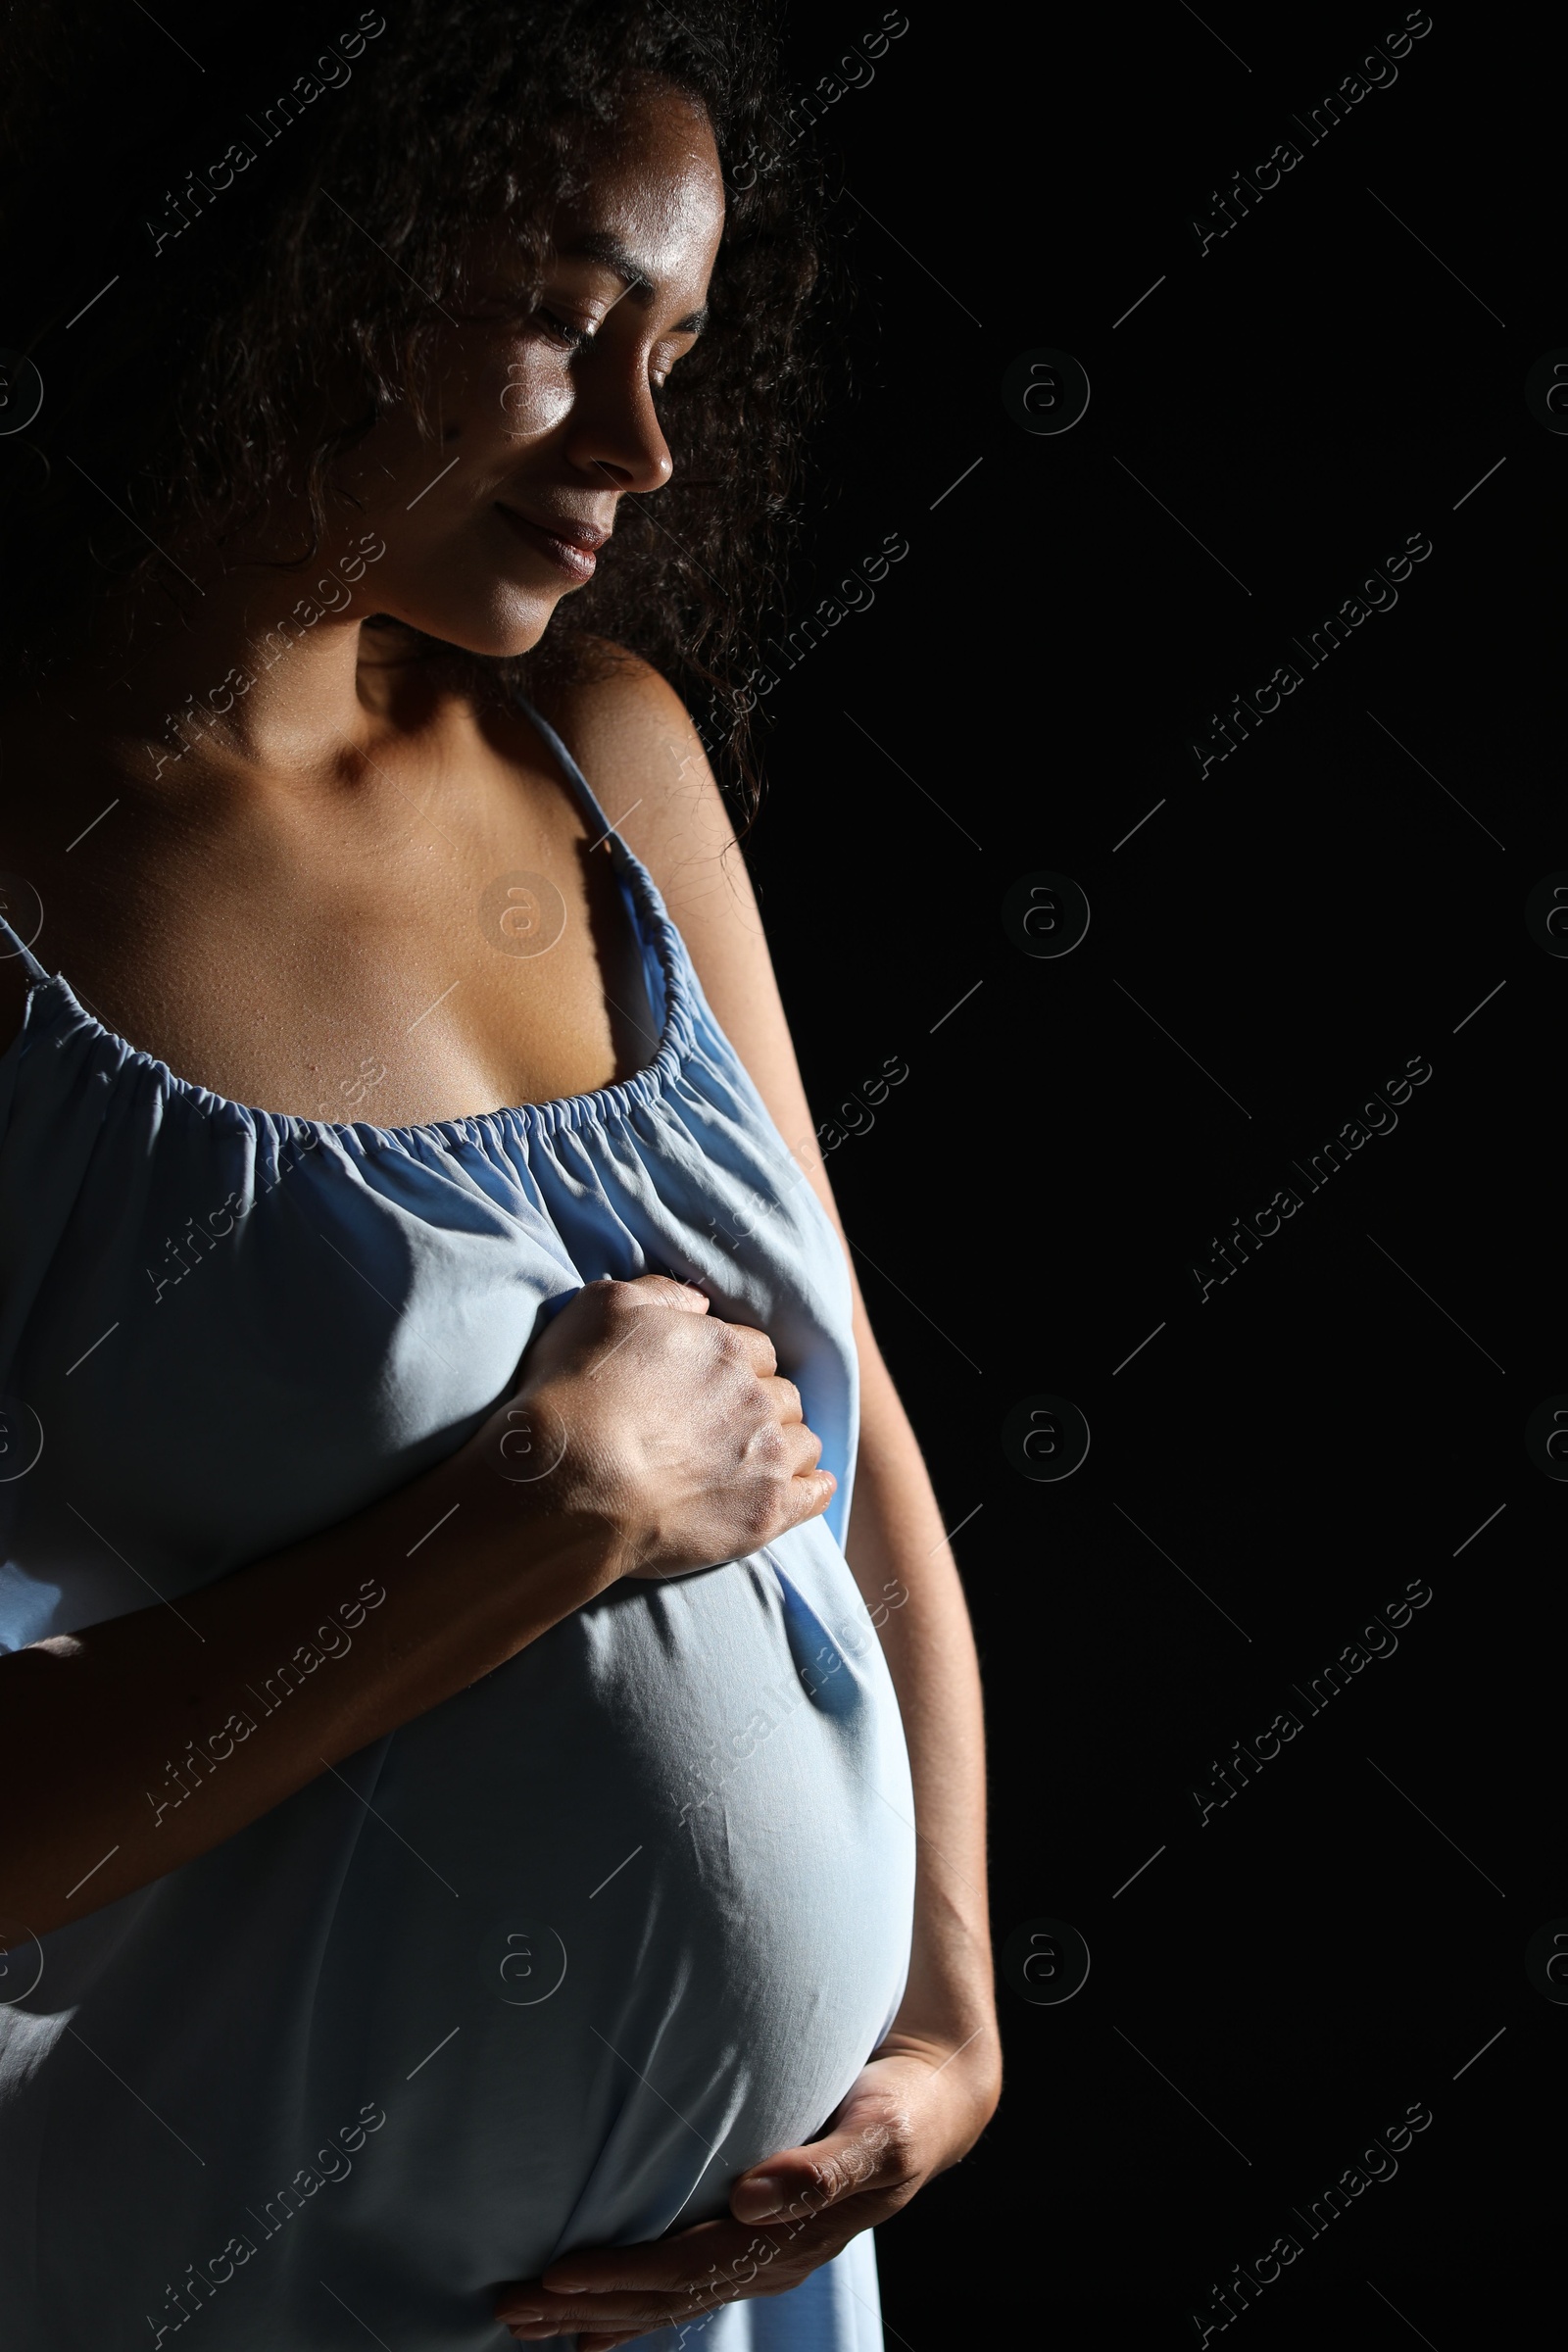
549,1967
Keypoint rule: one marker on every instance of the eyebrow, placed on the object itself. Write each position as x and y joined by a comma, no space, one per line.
595,245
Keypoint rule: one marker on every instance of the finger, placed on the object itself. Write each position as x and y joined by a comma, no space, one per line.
580,2334
675,2279
805,1447
810,1494
808,2179
757,1347
611,2289
658,2265
600,2314
595,2286
618,2300
666,1290
802,1449
785,1397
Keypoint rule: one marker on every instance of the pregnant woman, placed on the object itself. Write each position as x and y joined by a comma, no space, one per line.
494,1828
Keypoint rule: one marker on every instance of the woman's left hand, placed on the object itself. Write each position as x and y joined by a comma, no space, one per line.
913,2110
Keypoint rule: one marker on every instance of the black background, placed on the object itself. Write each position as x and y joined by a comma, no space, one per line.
1269,943
1270,946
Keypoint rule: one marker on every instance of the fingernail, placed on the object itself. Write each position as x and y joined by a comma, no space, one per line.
762,2196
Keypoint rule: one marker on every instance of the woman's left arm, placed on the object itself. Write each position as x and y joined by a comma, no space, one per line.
928,2092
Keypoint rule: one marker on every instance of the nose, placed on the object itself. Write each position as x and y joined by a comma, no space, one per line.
614,436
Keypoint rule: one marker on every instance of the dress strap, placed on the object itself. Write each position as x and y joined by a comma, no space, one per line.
584,790
12,945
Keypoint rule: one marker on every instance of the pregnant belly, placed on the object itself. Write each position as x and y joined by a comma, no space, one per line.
548,1969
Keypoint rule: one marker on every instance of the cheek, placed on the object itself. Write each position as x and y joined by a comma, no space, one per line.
534,397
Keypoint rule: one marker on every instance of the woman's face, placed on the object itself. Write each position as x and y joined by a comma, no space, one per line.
544,422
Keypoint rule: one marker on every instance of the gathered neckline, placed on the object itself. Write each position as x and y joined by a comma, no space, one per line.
564,1112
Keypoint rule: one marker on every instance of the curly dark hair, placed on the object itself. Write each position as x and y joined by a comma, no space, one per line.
276,205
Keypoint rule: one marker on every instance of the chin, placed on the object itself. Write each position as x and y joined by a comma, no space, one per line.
496,628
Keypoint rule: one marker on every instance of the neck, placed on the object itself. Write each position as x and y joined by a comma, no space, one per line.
264,675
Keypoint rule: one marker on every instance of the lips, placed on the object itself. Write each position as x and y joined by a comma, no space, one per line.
569,545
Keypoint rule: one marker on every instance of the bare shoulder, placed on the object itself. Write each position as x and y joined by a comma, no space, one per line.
634,739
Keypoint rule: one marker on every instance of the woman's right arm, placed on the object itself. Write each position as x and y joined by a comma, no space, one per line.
670,1444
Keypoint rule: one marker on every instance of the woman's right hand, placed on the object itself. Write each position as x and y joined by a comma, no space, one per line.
670,1427
646,1436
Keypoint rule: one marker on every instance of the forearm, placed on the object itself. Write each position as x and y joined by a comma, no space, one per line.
169,1729
160,1730
904,1569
